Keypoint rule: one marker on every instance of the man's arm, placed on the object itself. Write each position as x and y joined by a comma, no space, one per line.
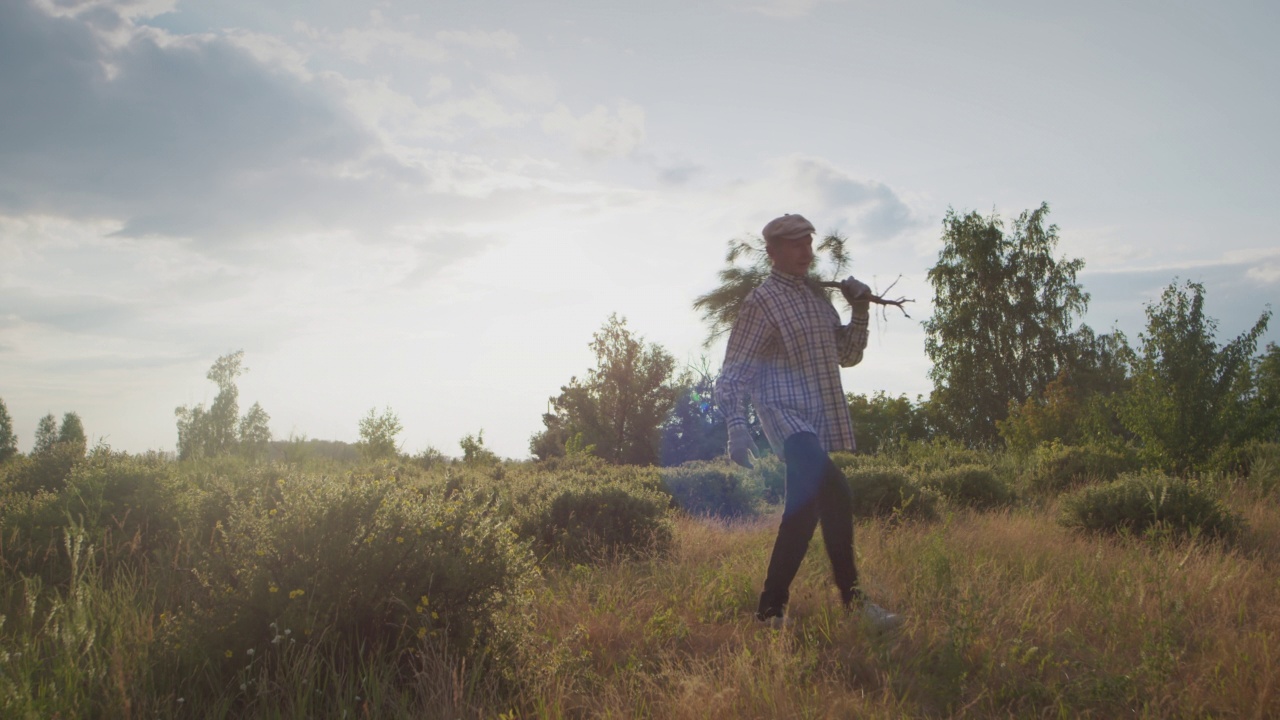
747,341
851,339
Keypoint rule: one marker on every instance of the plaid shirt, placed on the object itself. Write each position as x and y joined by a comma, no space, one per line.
785,351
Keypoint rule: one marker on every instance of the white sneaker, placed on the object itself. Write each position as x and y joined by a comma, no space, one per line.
777,622
880,619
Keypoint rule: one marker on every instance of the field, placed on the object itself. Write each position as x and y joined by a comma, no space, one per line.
1009,613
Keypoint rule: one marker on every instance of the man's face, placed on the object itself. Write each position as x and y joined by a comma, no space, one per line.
792,256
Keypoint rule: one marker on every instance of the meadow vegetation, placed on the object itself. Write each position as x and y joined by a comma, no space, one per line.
144,586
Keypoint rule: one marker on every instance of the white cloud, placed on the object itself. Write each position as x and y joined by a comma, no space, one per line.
378,37
501,40
1266,273
271,51
868,207
601,132
783,8
128,9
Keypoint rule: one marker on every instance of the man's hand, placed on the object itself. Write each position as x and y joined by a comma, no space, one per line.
857,294
854,290
740,444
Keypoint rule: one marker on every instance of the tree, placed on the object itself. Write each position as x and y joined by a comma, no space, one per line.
720,306
255,432
1188,395
46,435
475,453
223,414
71,434
881,422
619,406
694,430
378,434
1266,401
218,430
8,438
1003,312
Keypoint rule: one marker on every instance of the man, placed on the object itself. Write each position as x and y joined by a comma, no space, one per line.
785,351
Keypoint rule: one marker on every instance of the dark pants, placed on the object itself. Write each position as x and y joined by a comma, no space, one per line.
816,491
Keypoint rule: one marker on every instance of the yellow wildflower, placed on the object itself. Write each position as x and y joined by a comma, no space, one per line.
273,589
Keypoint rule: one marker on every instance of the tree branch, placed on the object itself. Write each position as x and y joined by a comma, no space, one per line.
877,299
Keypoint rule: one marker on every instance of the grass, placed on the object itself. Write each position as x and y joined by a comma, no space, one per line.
1007,614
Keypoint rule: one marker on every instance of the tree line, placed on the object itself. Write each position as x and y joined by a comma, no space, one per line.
1012,368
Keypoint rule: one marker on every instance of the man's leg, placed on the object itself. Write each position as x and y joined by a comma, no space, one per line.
835,511
799,519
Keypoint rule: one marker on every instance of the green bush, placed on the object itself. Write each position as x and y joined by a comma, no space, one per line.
46,471
773,477
369,559
127,506
1053,468
941,454
1263,469
579,509
713,487
1138,502
973,485
887,490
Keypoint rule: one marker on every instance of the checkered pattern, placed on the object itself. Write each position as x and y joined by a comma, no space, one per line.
785,352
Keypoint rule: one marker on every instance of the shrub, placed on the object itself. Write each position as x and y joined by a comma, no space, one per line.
1139,501
1263,469
1054,467
128,506
47,470
366,558
718,488
773,477
941,454
578,509
973,485
886,490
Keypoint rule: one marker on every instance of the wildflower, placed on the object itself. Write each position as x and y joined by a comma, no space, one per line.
295,594
424,601
272,513
260,553
422,632
273,589
227,653
399,540
435,615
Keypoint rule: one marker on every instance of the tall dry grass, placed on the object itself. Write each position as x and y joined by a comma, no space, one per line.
1008,615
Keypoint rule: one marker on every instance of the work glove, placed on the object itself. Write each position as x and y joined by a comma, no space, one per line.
857,293
740,444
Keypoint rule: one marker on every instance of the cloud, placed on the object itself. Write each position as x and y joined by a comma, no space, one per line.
190,138
503,41
72,312
1267,273
602,132
783,8
676,175
873,208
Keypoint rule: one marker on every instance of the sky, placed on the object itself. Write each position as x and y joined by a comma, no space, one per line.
432,206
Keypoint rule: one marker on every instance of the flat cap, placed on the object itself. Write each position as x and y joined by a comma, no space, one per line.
787,227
